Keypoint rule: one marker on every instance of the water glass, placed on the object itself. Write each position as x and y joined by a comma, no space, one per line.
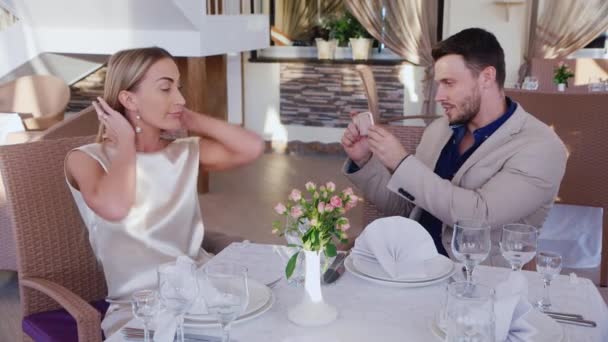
518,244
228,294
145,306
471,244
549,265
178,289
470,313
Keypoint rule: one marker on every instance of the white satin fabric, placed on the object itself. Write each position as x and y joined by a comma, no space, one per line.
164,222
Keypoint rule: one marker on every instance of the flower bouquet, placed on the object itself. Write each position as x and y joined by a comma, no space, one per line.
318,223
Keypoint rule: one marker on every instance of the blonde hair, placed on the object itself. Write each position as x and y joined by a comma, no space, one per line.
126,69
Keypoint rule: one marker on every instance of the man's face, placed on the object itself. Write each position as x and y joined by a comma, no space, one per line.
458,89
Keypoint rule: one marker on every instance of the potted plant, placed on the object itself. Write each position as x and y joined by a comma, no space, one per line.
318,223
347,29
561,74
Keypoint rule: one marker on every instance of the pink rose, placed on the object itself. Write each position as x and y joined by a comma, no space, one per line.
343,225
280,209
310,186
336,202
295,195
331,187
296,212
329,208
348,191
321,207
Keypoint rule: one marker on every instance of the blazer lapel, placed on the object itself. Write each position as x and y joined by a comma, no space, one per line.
512,126
431,155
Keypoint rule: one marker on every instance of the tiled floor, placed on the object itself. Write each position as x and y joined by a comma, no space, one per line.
240,202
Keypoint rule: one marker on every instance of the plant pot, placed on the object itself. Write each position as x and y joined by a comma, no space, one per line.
361,48
326,49
561,87
312,309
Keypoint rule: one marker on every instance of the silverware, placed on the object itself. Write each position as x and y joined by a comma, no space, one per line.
336,269
574,321
136,334
564,314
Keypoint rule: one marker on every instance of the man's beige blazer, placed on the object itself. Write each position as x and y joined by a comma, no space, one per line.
512,177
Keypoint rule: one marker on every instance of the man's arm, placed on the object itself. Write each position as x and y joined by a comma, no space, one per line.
372,180
529,178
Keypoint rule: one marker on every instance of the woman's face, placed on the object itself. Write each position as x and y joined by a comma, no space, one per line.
158,99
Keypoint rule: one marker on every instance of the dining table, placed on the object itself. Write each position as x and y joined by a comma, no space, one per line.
368,311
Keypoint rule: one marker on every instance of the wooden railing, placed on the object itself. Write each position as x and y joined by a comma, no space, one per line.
233,7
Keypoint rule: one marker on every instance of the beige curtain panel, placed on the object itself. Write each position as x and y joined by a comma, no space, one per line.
565,26
560,27
299,16
409,29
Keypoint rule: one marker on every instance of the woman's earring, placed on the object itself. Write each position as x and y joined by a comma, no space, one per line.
137,128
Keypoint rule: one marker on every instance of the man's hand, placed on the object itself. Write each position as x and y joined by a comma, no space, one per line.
355,145
386,147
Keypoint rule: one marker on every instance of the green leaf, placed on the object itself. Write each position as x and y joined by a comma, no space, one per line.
291,265
293,245
331,250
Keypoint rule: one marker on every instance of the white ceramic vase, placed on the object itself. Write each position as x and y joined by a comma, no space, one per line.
312,309
561,87
361,48
326,49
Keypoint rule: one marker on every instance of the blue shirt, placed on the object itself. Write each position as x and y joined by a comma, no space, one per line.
450,160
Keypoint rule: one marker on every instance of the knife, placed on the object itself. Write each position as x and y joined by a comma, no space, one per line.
336,269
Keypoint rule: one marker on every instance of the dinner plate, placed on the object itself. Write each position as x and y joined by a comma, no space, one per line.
240,319
348,263
259,296
434,268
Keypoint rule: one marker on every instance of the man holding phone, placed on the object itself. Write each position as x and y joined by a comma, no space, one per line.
487,159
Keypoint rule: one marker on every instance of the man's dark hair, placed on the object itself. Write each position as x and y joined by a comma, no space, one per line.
478,47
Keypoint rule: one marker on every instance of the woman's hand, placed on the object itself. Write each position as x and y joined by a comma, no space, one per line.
118,129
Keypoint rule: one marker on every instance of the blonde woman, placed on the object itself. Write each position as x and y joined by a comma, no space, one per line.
136,190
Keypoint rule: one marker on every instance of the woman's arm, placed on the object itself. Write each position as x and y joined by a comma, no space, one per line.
110,195
223,145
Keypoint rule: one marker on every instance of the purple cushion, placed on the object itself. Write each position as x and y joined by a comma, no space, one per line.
56,325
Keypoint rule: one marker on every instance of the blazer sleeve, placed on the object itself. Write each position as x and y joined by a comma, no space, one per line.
372,180
529,179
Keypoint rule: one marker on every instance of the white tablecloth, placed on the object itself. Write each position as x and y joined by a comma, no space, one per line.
370,312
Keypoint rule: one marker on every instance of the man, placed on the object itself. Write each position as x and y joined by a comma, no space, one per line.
487,159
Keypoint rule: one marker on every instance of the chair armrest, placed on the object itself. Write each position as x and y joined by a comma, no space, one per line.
88,319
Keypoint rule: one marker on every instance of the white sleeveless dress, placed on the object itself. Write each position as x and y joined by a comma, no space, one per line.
164,223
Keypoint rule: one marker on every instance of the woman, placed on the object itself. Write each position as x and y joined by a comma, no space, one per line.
136,190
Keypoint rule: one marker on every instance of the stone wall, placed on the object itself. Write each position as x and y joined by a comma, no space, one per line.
324,95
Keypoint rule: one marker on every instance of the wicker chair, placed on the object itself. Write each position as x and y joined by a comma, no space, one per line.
580,121
84,123
58,273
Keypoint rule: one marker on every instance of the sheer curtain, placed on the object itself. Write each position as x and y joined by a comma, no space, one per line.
409,28
561,27
299,16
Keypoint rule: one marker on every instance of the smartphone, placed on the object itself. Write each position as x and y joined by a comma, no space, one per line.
364,121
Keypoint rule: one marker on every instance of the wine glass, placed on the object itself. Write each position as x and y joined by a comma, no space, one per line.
178,289
549,265
470,312
227,294
471,244
145,306
518,244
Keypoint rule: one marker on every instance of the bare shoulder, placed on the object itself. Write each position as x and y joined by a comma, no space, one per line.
82,170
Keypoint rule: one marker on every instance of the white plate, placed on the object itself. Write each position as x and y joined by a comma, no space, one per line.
259,296
435,268
348,263
242,318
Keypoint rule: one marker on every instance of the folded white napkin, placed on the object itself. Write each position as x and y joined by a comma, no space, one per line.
397,244
166,322
516,319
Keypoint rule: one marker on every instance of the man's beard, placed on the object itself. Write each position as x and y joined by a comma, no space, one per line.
469,108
